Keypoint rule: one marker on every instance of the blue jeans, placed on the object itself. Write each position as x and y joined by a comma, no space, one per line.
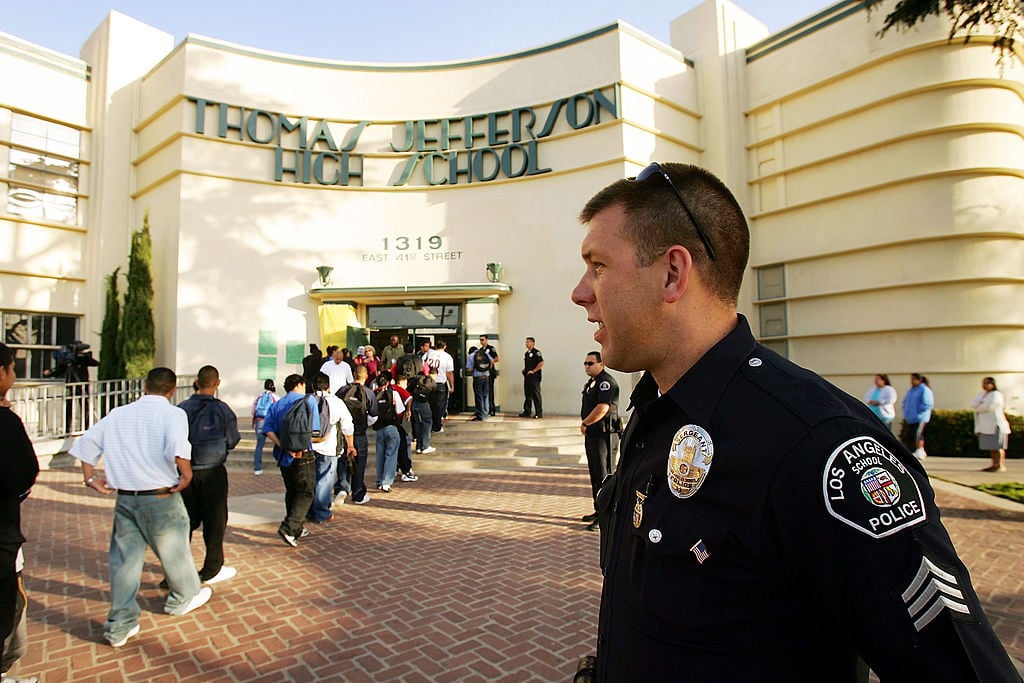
261,438
161,523
480,396
387,455
422,423
326,473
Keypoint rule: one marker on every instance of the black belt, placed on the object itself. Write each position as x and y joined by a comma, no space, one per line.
150,492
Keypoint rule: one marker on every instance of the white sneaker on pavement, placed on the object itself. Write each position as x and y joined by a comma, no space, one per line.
113,643
197,601
429,449
224,574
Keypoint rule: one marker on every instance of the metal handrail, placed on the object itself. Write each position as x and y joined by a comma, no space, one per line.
54,411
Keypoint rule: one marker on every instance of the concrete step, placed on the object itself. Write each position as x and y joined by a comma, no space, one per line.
502,442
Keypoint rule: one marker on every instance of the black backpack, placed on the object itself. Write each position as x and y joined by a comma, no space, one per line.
296,428
422,387
386,414
354,398
481,361
207,432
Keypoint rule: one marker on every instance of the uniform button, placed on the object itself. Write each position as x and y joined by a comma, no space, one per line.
639,445
754,362
655,536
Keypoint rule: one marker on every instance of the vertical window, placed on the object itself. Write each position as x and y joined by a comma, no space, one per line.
42,171
772,315
35,337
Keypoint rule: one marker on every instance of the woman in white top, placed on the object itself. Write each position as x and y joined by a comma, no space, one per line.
882,400
991,425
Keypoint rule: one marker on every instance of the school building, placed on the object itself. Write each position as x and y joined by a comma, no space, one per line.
295,200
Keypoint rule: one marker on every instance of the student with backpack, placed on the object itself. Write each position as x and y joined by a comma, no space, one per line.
212,431
389,411
290,425
328,444
422,388
362,405
479,364
260,407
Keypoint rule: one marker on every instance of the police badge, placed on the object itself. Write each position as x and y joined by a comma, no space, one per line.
689,460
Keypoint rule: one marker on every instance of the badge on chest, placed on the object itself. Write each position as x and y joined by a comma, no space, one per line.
689,460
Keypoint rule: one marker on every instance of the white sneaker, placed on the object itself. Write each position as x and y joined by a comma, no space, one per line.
339,500
197,601
429,449
410,476
364,501
224,574
117,643
920,454
257,472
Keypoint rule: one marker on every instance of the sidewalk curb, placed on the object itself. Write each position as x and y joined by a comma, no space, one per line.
977,496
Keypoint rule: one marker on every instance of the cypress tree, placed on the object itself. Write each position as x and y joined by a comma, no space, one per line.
138,334
111,366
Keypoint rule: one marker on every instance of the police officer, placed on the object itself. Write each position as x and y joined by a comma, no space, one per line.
600,415
761,524
533,362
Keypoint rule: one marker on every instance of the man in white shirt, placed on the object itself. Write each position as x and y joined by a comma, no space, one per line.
339,372
327,450
439,359
147,458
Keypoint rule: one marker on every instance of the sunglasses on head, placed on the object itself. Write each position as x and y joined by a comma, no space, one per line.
655,169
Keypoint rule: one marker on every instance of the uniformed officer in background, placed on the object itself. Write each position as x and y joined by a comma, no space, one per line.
533,364
600,415
761,524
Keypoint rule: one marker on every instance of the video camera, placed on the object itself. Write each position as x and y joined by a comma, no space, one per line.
72,361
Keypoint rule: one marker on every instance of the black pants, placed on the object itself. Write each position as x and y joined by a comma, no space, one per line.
531,389
404,455
206,499
438,407
351,473
299,485
491,409
602,448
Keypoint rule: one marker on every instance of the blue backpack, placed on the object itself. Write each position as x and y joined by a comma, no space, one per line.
263,404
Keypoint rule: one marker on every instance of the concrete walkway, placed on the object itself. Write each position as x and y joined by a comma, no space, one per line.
479,576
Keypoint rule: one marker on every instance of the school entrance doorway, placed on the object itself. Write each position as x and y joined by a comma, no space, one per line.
414,323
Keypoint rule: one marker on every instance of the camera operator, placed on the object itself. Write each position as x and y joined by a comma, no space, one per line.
72,362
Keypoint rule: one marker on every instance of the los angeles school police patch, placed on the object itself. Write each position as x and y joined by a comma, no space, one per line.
867,487
689,460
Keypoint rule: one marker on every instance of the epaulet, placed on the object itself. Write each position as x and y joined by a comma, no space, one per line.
800,392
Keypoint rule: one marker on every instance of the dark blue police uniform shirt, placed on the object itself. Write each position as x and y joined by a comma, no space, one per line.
763,525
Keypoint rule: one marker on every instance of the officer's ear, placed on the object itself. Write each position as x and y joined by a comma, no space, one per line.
678,265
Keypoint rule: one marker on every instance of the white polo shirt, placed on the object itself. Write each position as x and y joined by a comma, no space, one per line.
138,443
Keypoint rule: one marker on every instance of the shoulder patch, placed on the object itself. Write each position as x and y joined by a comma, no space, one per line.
604,386
868,488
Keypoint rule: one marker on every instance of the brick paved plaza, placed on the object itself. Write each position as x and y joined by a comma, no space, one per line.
480,576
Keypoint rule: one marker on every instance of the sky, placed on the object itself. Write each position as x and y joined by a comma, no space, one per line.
380,31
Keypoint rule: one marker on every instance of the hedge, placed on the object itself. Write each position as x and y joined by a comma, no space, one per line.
951,433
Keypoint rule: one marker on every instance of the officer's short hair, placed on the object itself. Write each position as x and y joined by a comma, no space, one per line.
597,355
655,220
531,339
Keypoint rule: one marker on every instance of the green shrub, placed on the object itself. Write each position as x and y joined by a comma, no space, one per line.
950,433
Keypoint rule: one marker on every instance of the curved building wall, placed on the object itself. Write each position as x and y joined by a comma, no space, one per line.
882,178
248,243
887,180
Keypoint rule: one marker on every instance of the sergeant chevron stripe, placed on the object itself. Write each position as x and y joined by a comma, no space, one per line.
931,591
